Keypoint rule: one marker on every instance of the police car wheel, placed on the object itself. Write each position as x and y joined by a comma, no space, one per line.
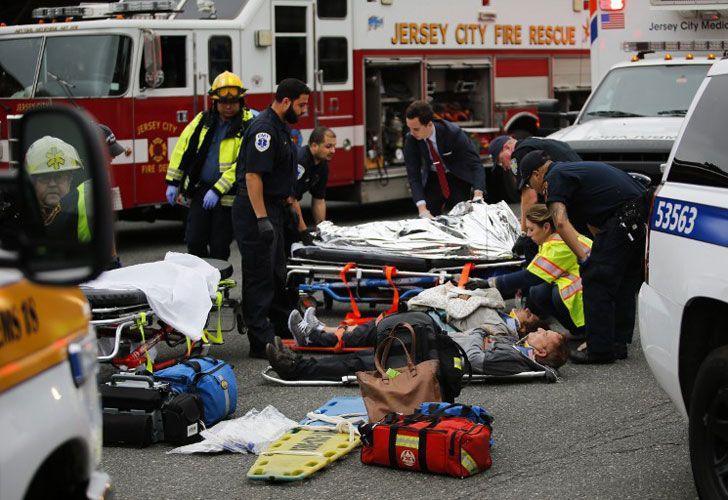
709,426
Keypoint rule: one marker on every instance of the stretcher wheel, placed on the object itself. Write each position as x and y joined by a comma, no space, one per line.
225,268
113,298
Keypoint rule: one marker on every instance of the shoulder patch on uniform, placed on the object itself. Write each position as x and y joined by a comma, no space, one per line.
262,141
301,170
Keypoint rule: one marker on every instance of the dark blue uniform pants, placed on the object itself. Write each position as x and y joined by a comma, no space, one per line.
265,306
612,276
545,300
209,232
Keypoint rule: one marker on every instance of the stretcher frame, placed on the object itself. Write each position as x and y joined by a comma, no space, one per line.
320,276
350,380
124,319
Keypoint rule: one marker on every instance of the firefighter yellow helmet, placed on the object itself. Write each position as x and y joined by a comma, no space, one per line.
227,86
50,154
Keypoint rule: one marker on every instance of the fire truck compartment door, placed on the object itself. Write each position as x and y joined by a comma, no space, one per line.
571,73
458,63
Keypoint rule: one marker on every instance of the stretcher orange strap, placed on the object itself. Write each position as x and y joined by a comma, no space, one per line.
465,275
354,317
338,348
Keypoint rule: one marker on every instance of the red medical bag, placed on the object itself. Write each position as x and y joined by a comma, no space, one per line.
441,445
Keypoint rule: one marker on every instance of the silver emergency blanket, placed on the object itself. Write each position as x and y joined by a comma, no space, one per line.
471,231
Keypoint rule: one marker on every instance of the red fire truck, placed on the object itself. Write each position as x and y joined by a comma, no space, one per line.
143,67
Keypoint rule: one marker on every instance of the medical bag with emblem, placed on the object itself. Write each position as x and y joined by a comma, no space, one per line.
211,380
436,443
132,410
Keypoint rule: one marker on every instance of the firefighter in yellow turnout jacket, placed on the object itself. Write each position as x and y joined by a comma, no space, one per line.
551,280
203,168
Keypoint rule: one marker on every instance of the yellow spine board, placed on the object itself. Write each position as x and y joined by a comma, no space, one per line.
310,452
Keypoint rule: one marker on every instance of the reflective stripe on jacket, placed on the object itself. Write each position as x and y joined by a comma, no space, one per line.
83,228
556,263
228,156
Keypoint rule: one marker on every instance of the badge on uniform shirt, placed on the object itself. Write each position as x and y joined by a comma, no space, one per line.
262,141
301,171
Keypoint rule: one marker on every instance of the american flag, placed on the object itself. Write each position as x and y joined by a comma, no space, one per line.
613,21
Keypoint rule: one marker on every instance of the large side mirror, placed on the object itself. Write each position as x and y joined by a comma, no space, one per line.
65,235
153,73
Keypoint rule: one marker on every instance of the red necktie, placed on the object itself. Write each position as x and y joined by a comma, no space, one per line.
440,167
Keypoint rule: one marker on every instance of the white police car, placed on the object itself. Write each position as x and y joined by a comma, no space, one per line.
683,304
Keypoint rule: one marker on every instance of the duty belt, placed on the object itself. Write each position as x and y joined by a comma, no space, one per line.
243,191
631,215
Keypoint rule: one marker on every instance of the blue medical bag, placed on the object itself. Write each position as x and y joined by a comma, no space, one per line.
211,380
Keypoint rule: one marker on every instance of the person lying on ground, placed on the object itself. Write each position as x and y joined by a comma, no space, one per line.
489,355
309,331
551,282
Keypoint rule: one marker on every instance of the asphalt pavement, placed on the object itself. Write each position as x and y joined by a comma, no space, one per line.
600,432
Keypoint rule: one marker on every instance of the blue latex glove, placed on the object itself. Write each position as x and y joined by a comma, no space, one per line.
172,194
210,200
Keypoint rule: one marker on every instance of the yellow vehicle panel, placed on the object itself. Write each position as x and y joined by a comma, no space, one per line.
36,325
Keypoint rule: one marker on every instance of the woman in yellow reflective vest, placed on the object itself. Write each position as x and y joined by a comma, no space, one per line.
551,279
202,167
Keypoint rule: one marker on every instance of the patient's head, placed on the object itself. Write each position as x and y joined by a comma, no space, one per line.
528,321
549,347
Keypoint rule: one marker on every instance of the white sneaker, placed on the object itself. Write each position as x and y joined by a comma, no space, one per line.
298,327
309,316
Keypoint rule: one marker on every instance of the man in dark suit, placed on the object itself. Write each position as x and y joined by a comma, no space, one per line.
442,163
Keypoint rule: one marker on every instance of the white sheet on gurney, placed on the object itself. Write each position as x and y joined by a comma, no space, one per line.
178,289
469,231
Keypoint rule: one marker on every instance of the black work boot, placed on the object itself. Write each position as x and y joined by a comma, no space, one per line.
620,351
591,358
281,359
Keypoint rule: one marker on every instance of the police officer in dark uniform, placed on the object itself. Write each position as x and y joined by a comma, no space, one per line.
507,152
312,175
442,163
266,173
613,206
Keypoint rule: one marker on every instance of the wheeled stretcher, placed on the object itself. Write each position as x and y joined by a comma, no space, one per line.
128,328
381,261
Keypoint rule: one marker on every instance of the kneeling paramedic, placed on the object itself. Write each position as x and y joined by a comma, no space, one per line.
613,206
266,175
551,282
203,167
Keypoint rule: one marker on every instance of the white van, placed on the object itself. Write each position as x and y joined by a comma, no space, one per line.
684,301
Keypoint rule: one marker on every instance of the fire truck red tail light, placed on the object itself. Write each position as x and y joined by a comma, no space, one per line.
610,5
